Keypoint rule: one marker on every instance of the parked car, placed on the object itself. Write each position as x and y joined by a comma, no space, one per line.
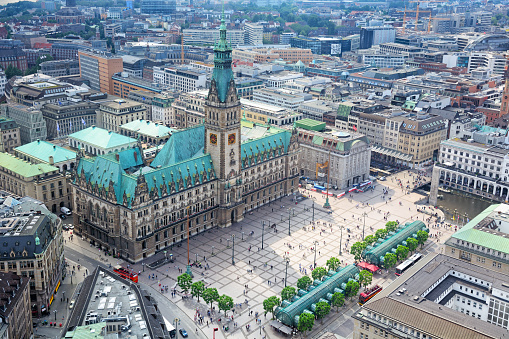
183,333
71,227
65,227
65,210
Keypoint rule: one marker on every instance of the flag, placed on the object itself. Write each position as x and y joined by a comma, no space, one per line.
83,121
354,128
58,127
59,103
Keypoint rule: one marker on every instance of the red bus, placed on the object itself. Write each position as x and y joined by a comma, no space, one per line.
365,296
126,273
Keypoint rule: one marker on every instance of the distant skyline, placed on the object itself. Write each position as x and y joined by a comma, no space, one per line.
5,2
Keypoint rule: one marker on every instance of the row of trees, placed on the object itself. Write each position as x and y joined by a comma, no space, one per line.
209,295
322,309
11,70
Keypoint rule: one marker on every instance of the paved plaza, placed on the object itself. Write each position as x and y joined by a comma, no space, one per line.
263,270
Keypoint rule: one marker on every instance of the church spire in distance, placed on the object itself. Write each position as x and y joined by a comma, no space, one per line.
223,74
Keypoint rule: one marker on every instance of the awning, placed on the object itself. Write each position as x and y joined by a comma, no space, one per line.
392,153
281,327
369,267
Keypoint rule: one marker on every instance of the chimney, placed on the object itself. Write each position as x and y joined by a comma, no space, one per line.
51,160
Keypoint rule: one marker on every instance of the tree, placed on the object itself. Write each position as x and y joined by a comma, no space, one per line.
197,289
391,226
351,289
412,244
401,252
318,273
184,281
370,240
338,300
210,295
422,236
357,250
270,303
306,322
304,282
333,263
225,303
365,277
11,71
321,310
288,293
390,260
381,233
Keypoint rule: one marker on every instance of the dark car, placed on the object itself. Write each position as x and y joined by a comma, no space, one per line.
63,216
65,227
183,333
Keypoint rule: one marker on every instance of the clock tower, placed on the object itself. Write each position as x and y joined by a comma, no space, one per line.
222,132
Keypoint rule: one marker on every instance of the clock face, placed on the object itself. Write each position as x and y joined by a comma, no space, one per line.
231,139
213,139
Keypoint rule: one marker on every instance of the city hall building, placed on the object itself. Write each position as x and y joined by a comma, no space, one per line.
205,176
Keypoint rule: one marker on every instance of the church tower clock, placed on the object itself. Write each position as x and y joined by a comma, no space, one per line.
222,132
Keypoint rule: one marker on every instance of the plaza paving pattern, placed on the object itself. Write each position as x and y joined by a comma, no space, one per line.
266,281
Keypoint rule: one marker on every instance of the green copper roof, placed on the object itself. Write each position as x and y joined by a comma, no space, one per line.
148,128
182,145
492,241
42,150
223,73
101,138
24,168
310,124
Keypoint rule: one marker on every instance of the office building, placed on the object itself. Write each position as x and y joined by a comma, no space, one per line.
261,55
383,60
322,45
189,109
98,69
207,168
65,51
159,7
374,36
95,141
208,36
57,68
15,305
30,120
68,117
162,110
280,97
350,155
112,114
10,136
439,297
3,82
180,79
124,84
34,250
253,34
261,113
15,57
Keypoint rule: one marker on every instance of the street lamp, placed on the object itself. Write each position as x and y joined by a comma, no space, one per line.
188,268
176,321
143,265
341,240
364,225
289,217
55,312
316,243
313,211
286,271
263,231
196,258
233,249
212,250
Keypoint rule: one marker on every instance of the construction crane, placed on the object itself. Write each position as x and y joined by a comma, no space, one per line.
404,21
438,19
417,9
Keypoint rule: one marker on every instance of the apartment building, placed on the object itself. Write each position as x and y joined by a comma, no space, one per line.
162,110
98,68
33,249
9,135
112,114
253,35
43,182
189,109
15,301
181,79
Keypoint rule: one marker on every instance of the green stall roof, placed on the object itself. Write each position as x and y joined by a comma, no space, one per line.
310,124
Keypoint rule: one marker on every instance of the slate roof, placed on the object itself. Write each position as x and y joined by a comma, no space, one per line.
101,138
42,150
23,168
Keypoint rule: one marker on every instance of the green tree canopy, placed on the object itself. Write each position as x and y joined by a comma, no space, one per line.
270,303
197,289
321,310
333,263
422,236
357,250
365,278
338,300
381,233
304,282
210,295
390,260
306,322
402,252
391,226
370,239
11,71
351,289
412,244
318,273
184,281
225,303
288,293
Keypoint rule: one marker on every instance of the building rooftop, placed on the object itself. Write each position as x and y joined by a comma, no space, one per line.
42,150
101,138
148,128
119,104
23,168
